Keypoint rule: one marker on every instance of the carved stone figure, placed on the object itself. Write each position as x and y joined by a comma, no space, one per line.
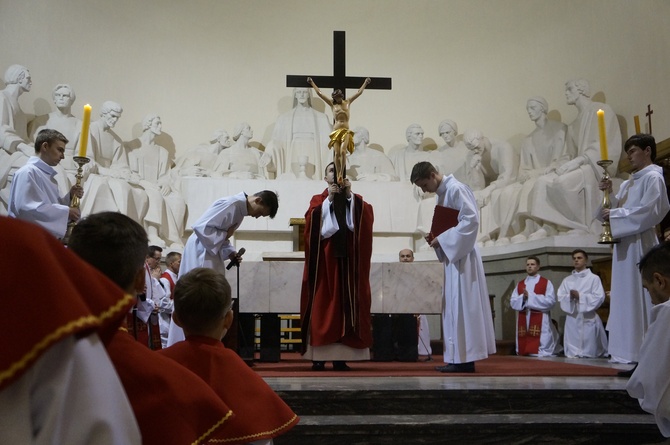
111,186
241,160
200,161
404,159
164,220
541,152
566,199
62,120
303,131
15,148
368,164
450,158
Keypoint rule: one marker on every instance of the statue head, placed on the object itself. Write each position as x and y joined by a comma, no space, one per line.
302,96
414,134
63,95
18,74
576,88
473,139
448,130
361,134
338,96
242,129
536,107
222,138
153,123
110,112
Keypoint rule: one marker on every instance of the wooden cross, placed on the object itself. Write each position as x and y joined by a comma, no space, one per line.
339,79
649,113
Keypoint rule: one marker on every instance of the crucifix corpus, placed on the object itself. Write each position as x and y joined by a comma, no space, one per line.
342,138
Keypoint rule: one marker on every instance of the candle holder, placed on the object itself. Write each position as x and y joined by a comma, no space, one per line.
606,236
76,201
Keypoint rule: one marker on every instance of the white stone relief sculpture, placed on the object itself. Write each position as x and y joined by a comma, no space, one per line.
111,186
405,158
61,119
15,147
299,133
368,164
200,161
241,160
450,158
541,152
565,200
164,220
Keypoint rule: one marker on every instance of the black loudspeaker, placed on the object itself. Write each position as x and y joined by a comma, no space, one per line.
407,338
270,338
382,338
246,331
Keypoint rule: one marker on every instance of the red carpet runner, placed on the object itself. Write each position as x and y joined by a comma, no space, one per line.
292,365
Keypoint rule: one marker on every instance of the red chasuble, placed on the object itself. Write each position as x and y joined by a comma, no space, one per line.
172,405
335,298
49,293
529,339
259,412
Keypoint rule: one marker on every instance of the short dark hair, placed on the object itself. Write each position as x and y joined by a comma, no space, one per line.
269,200
49,136
112,243
201,298
422,170
153,249
643,141
656,260
582,251
172,257
534,258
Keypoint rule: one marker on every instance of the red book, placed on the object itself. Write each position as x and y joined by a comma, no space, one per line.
444,218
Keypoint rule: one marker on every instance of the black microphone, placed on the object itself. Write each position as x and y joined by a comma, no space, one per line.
234,262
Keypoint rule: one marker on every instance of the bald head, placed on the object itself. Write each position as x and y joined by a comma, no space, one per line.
406,256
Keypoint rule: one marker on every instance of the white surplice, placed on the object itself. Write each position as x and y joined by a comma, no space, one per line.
549,338
584,334
650,383
34,197
466,316
640,205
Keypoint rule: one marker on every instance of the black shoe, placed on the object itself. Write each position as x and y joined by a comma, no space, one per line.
318,366
426,359
628,373
468,367
340,366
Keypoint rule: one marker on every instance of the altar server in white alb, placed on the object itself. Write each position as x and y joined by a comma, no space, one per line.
533,298
34,194
650,382
580,295
466,317
640,204
209,246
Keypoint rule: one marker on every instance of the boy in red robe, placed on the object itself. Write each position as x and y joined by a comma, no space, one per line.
202,308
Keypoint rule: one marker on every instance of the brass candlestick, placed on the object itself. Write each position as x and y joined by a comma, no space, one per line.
81,161
606,236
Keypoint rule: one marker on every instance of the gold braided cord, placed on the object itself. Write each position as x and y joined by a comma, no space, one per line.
257,435
200,440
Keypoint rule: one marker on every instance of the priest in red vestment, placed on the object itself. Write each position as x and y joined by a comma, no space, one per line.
335,298
202,308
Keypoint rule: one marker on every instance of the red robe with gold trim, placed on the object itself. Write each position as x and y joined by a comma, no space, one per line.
259,412
335,298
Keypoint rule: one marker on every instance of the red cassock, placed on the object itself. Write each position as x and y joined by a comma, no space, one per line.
335,298
60,294
171,404
259,412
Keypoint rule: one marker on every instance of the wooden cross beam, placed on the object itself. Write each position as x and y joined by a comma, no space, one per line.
648,114
339,79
